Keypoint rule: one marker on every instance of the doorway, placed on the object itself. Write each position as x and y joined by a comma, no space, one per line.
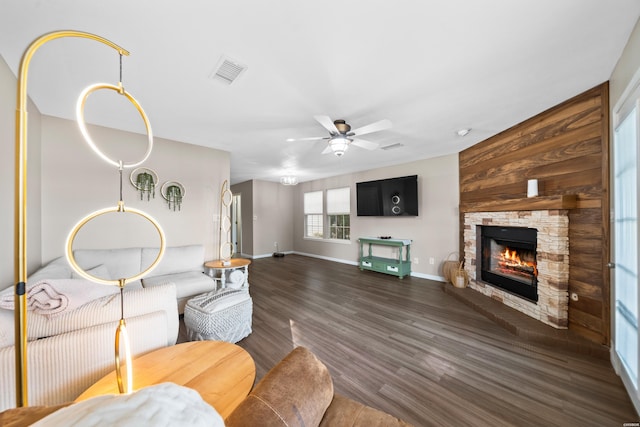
236,223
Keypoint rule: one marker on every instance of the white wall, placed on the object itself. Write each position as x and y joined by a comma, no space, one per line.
76,182
267,217
8,89
273,217
434,231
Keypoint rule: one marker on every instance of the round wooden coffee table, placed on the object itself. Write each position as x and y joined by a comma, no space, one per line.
223,373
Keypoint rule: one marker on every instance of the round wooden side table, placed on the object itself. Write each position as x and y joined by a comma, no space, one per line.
223,373
232,264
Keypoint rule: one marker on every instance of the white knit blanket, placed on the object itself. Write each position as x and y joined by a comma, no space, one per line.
161,405
50,297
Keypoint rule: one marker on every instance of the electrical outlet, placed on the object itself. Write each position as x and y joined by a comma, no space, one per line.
416,260
432,260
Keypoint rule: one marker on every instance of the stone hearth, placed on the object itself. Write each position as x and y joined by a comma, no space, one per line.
552,256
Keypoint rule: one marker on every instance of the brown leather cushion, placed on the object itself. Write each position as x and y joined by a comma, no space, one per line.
296,392
346,412
19,417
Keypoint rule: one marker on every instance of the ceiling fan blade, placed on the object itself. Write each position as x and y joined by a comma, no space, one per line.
312,138
327,150
327,123
373,127
368,145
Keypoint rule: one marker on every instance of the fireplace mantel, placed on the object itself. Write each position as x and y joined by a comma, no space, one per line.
539,203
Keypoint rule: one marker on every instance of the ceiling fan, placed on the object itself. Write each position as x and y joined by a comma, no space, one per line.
341,136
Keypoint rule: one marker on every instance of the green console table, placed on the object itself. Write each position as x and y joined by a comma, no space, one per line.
398,267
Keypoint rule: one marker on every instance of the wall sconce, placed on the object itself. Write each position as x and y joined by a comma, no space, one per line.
145,181
173,192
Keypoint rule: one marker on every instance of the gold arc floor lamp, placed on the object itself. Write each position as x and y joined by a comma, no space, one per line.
121,330
20,255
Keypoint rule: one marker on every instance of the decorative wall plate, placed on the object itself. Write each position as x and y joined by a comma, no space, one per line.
173,192
133,177
145,180
168,184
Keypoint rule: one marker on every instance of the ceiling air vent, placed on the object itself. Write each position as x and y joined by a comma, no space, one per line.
227,70
392,146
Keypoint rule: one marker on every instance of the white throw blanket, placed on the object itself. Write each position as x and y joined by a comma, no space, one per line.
161,405
50,297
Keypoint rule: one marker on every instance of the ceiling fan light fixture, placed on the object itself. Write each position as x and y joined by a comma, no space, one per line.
339,145
288,180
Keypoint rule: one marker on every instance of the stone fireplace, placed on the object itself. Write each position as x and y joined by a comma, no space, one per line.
537,284
507,259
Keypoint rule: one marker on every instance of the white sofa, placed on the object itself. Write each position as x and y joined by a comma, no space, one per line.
68,352
181,265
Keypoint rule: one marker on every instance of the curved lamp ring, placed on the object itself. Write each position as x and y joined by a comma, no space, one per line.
122,281
82,99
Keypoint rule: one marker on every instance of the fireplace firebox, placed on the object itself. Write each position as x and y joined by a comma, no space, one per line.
508,259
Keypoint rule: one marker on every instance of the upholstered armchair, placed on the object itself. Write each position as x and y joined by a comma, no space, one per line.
298,391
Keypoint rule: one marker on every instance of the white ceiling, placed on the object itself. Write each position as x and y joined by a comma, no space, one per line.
430,66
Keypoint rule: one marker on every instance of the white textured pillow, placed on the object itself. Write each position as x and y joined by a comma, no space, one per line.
100,271
122,263
165,404
56,269
177,259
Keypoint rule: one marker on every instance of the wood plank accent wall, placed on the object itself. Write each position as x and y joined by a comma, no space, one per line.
567,149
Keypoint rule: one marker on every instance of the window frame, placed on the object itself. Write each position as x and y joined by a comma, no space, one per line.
313,214
334,206
338,205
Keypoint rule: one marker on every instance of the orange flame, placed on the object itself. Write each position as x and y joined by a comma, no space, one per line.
512,259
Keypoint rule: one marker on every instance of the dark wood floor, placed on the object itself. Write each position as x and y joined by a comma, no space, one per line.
410,349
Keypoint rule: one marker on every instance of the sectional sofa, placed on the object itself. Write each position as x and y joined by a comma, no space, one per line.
70,350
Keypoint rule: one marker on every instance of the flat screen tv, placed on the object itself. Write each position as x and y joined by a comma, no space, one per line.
388,197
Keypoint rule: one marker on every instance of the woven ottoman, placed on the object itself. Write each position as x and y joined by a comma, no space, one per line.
223,315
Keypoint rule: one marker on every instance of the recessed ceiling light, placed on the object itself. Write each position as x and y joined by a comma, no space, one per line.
464,132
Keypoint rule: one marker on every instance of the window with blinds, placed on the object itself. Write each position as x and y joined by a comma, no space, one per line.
338,213
313,215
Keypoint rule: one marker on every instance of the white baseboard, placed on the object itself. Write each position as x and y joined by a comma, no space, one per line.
263,255
344,261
